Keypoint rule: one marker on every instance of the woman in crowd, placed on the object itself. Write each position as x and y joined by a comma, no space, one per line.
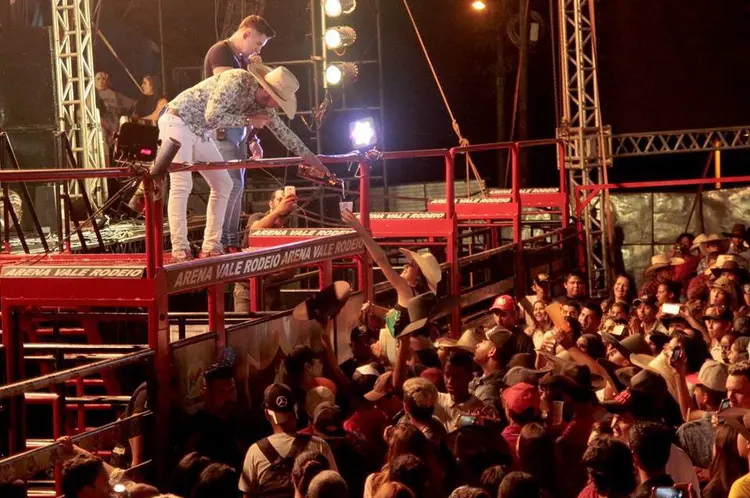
727,465
421,274
404,439
542,324
622,292
152,101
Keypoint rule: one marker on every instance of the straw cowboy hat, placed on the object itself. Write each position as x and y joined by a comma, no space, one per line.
280,83
658,365
468,342
714,237
731,263
325,304
660,261
427,264
700,239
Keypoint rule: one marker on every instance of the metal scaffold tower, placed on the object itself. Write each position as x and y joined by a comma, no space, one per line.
587,139
76,98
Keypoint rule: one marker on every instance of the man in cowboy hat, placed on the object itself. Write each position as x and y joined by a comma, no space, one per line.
731,267
661,270
236,52
738,240
233,98
711,244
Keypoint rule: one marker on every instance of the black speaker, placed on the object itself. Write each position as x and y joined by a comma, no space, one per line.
27,81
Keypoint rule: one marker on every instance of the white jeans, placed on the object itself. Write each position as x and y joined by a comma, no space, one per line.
194,149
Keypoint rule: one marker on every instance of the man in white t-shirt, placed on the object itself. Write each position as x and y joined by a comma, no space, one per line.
268,464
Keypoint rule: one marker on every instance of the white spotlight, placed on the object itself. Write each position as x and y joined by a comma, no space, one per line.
362,133
334,8
341,73
340,37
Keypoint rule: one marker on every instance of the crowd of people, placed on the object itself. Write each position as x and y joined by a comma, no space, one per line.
561,396
645,393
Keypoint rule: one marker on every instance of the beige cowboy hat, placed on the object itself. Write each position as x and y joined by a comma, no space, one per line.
659,365
714,237
698,241
660,261
427,264
281,83
468,342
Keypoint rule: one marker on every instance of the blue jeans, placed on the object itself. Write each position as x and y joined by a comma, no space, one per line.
233,147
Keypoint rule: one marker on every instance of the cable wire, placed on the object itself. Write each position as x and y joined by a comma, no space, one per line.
462,141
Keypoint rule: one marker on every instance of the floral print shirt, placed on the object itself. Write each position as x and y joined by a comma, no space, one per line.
225,101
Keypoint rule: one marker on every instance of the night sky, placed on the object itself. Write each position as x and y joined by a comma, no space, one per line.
666,64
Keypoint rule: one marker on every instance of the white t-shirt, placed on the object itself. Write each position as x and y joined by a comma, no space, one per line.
256,464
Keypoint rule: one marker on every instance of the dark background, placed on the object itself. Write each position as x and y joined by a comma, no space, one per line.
664,65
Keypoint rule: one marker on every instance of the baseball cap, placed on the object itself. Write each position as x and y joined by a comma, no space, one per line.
500,336
712,375
504,303
328,419
316,396
383,387
648,299
541,279
717,313
521,397
279,400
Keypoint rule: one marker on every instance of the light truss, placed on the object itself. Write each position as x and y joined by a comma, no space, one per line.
587,140
76,97
672,142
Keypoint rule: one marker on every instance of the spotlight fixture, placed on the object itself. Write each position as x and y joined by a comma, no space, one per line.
362,133
339,37
334,8
478,5
341,73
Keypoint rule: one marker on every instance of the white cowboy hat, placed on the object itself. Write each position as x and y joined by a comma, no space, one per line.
427,264
698,241
714,237
658,365
660,261
280,83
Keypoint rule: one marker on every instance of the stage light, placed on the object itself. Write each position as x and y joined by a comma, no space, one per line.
340,37
478,5
363,134
335,8
341,73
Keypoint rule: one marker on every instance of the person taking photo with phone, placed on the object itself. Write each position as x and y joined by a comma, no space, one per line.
280,206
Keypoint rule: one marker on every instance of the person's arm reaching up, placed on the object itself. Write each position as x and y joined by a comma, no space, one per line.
378,255
292,142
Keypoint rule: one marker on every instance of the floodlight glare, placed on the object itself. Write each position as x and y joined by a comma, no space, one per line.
335,8
363,134
341,73
340,37
478,5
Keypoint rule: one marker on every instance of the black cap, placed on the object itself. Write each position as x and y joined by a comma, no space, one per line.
648,299
279,399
